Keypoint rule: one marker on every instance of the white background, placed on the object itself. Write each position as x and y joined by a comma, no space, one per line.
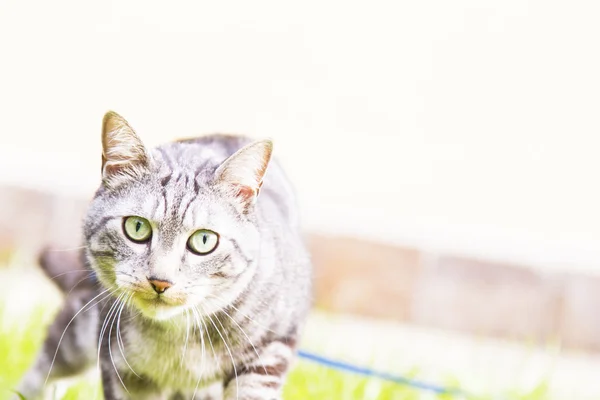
469,126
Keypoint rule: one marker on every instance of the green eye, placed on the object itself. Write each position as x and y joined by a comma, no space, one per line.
203,242
137,229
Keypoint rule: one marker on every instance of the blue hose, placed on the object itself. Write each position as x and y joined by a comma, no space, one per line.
343,366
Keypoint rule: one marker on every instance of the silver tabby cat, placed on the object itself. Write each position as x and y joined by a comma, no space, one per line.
202,279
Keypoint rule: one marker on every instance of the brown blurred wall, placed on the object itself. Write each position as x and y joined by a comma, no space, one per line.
374,279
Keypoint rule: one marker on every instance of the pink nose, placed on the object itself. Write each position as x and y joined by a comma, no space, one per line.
159,285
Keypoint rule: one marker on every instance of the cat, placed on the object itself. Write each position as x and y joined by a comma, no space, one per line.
194,278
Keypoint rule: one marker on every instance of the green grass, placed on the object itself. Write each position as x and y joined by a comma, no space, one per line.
21,337
18,346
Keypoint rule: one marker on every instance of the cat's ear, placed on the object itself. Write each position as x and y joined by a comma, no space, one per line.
123,153
242,173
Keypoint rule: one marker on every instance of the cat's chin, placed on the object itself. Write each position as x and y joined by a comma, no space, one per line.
158,310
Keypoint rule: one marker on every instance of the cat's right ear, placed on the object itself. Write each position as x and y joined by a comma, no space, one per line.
124,156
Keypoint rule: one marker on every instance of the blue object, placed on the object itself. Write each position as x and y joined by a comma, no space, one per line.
343,366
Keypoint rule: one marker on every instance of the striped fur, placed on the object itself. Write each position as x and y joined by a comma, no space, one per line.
228,325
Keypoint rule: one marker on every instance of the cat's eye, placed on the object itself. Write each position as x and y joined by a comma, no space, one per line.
203,242
137,229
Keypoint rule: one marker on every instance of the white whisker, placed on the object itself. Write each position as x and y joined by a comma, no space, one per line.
112,323
198,319
237,391
248,338
187,335
67,327
103,329
72,271
66,249
89,276
120,337
248,317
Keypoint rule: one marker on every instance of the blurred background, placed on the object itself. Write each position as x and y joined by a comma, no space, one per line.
444,155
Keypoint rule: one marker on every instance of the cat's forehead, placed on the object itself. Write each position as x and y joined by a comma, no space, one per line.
178,157
177,191
178,205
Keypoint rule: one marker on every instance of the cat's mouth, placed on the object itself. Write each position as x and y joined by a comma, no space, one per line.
157,301
158,306
148,299
160,300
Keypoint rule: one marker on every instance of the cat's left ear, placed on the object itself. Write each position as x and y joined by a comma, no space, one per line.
124,156
242,173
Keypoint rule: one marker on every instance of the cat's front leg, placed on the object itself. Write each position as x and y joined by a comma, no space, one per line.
111,385
118,380
126,386
262,379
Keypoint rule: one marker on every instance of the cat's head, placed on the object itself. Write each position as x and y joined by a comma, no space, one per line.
174,229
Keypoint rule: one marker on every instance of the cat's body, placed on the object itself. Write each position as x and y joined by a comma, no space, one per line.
185,317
